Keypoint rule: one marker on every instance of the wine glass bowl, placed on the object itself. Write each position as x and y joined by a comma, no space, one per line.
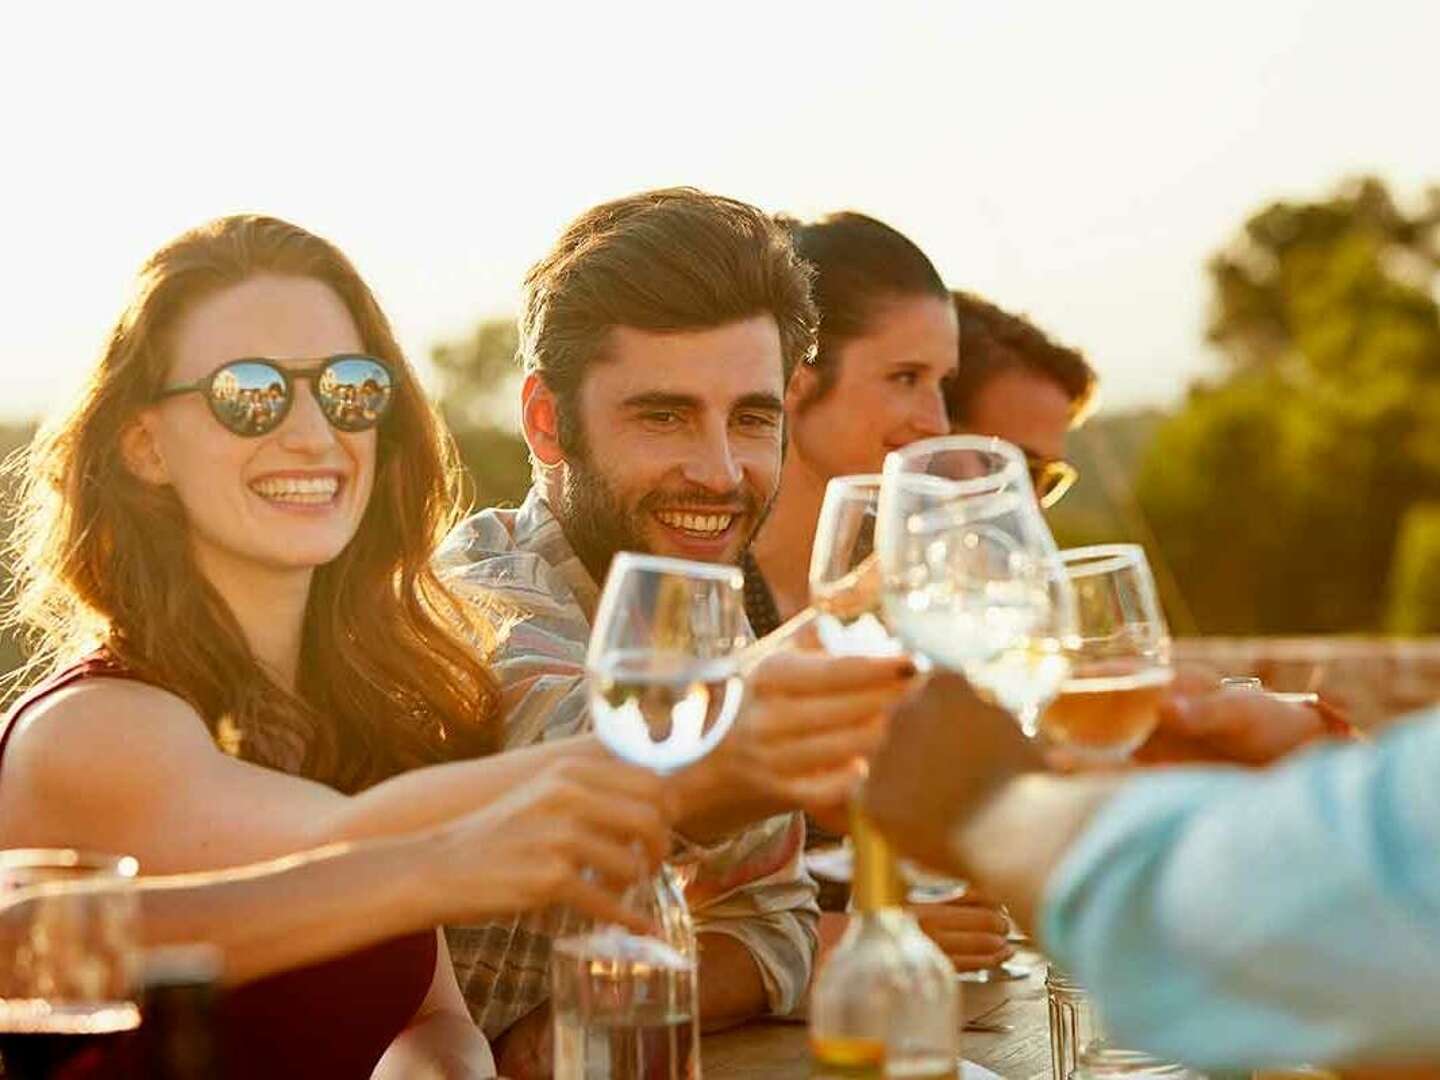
664,677
845,580
970,571
1119,661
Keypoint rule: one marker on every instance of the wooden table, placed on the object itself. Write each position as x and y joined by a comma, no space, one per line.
775,1050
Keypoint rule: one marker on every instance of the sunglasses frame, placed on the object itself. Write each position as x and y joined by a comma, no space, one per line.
1065,477
316,367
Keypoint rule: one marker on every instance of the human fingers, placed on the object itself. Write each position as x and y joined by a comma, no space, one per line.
612,775
967,961
826,795
1164,747
1247,726
807,672
604,905
974,898
827,750
950,919
772,720
634,821
589,848
564,792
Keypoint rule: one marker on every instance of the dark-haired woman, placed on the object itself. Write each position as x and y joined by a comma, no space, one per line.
225,563
888,342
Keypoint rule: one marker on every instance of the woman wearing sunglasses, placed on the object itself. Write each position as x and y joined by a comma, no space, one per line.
224,560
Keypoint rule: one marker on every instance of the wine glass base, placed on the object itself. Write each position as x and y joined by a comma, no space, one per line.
997,974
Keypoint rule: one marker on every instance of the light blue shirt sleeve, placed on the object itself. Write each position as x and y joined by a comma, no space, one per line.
1229,919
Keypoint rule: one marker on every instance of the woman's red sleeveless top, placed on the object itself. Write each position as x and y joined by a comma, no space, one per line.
333,1019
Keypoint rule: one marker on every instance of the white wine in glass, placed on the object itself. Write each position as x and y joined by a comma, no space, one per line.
665,682
665,686
972,577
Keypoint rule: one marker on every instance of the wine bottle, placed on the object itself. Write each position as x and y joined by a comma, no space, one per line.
886,1003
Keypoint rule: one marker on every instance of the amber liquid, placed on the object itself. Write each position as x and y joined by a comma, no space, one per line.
1105,717
864,1059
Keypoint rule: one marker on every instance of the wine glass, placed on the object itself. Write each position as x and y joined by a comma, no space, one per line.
845,574
665,681
845,593
1109,703
68,958
971,577
665,685
971,574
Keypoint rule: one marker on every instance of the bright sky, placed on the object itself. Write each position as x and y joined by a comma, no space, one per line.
1076,160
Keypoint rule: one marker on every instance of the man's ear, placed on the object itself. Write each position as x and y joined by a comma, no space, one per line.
540,417
140,450
804,381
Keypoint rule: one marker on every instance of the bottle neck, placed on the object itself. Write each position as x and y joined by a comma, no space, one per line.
877,885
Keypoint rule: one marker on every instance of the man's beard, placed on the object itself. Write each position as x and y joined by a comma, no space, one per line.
599,526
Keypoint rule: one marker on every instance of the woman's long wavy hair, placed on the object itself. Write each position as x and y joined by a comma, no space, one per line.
390,673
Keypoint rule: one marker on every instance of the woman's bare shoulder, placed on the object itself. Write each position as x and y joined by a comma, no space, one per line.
127,731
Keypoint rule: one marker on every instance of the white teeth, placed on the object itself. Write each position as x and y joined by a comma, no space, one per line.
310,489
710,524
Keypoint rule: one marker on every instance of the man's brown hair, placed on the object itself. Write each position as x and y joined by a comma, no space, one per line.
993,340
675,259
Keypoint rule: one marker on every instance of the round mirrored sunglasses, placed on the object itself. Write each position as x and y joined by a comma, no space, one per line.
252,397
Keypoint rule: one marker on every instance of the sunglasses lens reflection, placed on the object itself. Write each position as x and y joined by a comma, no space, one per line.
355,392
249,398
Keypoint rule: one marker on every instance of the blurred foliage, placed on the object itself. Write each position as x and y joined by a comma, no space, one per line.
479,396
1276,494
1299,492
1415,589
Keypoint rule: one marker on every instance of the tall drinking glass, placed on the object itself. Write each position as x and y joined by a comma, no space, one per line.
665,686
68,959
1109,703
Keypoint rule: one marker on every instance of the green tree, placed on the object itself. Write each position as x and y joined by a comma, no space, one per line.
1277,493
480,400
1415,592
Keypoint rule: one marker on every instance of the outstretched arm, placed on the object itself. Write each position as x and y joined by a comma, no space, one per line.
1295,910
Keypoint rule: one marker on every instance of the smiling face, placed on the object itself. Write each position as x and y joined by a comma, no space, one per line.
289,500
887,391
682,444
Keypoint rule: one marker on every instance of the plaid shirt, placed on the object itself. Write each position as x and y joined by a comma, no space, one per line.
753,887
